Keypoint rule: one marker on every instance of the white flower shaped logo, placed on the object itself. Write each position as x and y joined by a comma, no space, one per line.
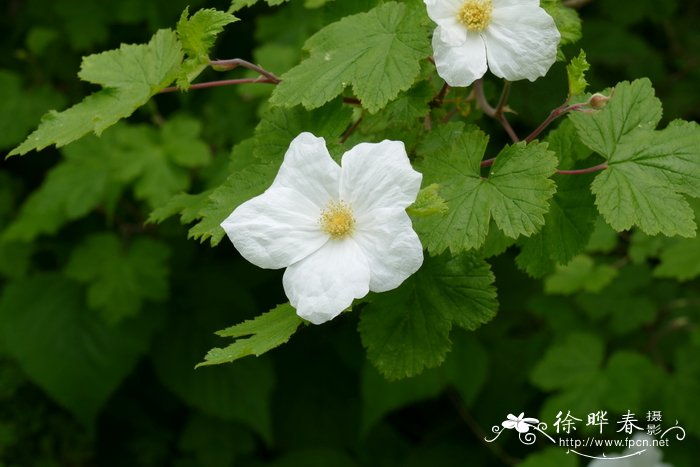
515,39
339,231
522,425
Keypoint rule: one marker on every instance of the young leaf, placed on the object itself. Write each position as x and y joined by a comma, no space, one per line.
256,336
649,172
130,76
197,35
407,329
120,279
394,39
576,72
515,194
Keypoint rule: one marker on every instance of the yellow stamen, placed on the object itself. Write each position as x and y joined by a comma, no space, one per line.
475,14
337,219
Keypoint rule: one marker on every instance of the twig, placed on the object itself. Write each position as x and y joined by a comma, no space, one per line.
236,62
588,170
498,112
224,82
351,130
553,115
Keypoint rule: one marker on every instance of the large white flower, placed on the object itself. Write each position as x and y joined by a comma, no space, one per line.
340,232
515,39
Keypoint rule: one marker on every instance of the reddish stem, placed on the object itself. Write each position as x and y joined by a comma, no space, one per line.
553,115
588,170
224,82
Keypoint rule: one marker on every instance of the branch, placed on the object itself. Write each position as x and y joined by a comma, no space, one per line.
553,115
587,170
224,82
498,112
225,65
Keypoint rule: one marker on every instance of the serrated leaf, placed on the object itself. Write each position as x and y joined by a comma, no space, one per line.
515,195
631,106
567,229
120,278
394,39
576,73
197,35
66,349
649,172
407,329
130,76
256,336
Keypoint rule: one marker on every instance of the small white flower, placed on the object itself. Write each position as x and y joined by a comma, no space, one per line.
339,231
521,423
515,39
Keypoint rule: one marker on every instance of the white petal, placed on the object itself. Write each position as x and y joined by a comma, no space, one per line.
521,42
392,247
508,424
309,169
444,13
460,65
378,175
507,3
275,229
322,285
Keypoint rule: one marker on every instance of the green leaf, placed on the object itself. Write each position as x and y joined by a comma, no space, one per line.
256,336
197,35
240,4
576,72
632,380
71,189
130,76
464,368
407,329
631,106
568,227
21,108
649,172
575,362
566,19
515,194
625,301
394,40
680,260
63,347
120,278
580,274
683,388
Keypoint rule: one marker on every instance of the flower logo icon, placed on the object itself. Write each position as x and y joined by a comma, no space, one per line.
521,423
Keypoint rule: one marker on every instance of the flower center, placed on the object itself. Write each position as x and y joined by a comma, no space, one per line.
337,219
475,14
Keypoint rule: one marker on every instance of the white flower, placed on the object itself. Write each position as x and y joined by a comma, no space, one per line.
340,232
644,456
515,39
520,423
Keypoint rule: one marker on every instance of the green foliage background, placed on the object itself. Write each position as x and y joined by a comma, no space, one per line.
104,315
